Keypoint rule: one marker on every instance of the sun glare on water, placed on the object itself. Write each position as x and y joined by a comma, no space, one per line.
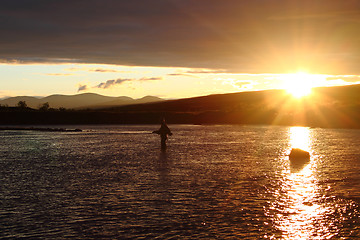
299,84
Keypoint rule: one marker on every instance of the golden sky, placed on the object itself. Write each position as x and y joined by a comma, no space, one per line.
175,48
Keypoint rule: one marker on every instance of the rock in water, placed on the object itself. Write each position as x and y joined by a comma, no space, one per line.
299,154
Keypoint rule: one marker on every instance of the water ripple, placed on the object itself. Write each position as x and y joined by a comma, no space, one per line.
214,182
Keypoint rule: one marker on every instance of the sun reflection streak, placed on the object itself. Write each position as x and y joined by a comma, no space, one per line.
300,138
299,208
296,210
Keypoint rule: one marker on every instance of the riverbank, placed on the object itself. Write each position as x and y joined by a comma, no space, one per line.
39,129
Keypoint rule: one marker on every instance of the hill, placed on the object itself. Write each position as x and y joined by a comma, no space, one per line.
124,101
85,100
336,107
267,98
325,107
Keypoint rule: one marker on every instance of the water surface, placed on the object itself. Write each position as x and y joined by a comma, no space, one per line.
213,182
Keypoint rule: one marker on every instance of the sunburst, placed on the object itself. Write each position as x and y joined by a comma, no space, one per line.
299,84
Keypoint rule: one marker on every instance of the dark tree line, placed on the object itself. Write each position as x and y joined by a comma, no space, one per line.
22,106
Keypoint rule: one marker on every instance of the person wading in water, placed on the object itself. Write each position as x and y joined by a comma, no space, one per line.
163,131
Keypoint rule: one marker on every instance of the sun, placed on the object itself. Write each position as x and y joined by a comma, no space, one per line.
298,84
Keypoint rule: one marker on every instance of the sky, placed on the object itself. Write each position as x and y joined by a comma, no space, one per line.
175,48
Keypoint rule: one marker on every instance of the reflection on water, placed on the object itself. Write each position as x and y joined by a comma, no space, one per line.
296,210
300,138
213,182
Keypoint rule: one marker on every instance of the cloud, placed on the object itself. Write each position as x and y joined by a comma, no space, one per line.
243,84
317,15
83,88
37,60
59,74
119,81
99,70
181,75
345,78
206,71
110,83
239,84
151,79
103,70
238,36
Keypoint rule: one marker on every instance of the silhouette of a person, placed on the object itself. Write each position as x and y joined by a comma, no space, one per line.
163,131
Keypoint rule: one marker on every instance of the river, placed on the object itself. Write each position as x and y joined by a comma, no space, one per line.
212,182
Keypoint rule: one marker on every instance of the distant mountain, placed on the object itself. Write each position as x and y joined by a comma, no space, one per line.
85,100
13,101
148,99
122,101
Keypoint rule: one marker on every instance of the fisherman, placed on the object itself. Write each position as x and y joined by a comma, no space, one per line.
163,131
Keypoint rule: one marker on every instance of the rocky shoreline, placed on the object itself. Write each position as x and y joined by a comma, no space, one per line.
39,129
